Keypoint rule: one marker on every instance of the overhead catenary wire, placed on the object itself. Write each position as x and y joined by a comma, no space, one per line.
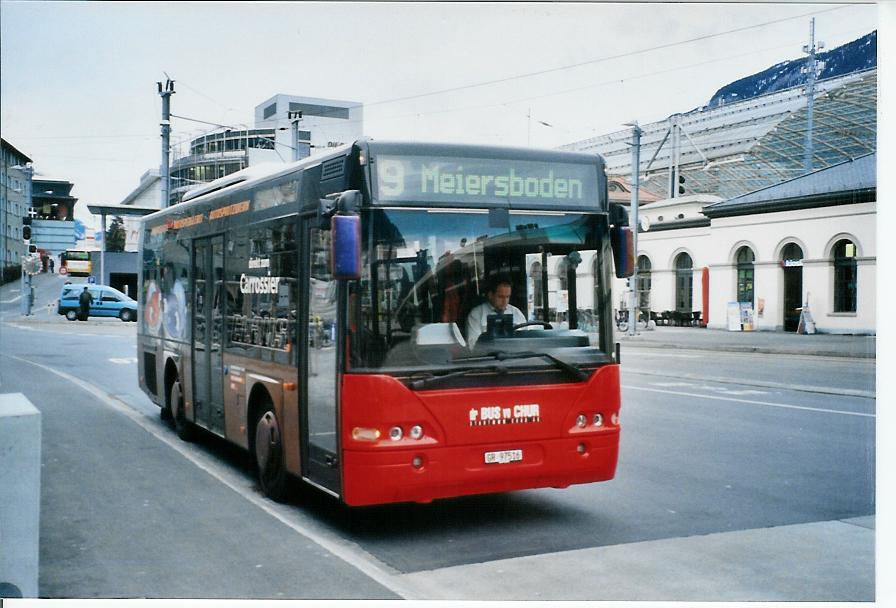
510,78
595,60
622,80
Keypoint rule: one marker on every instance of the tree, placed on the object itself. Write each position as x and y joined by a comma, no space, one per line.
115,235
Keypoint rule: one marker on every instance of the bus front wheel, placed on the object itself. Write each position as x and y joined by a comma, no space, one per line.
268,448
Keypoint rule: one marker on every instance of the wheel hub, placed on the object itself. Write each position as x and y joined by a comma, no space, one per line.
267,439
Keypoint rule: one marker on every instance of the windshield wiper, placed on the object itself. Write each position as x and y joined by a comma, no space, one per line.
501,355
425,382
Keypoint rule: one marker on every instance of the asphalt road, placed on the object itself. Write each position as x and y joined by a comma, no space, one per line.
712,444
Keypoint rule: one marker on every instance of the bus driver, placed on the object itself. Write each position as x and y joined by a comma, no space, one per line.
498,294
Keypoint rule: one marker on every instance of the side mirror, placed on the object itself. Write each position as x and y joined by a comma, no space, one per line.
345,240
344,203
349,202
345,237
623,242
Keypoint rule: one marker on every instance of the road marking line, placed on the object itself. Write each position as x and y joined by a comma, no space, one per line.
56,330
124,360
824,390
706,387
668,384
348,552
749,401
671,355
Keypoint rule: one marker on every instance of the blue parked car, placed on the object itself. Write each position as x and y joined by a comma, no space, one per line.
107,302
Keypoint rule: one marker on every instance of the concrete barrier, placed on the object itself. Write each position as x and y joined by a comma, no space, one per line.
20,439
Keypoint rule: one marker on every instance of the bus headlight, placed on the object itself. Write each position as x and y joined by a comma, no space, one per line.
581,421
395,433
416,431
598,419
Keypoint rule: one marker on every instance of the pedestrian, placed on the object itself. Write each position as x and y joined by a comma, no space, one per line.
52,264
84,302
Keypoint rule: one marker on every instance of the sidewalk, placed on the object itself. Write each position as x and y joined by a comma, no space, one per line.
775,342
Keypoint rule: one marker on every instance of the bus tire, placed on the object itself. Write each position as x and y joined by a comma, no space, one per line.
183,427
71,315
268,453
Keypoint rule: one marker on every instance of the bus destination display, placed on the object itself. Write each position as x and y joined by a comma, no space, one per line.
420,178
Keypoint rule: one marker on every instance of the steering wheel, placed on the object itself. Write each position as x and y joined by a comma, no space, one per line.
544,324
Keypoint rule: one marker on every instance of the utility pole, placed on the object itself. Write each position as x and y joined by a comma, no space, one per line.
102,280
674,154
295,118
30,264
633,223
165,93
811,74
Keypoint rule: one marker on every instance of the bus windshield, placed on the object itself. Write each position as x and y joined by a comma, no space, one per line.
425,270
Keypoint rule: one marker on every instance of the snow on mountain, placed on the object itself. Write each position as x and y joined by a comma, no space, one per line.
860,54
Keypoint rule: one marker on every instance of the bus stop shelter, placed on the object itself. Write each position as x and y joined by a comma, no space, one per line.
114,210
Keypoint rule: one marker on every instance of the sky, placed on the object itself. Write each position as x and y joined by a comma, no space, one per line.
79,78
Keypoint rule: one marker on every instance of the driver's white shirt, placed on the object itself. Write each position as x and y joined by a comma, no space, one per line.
477,320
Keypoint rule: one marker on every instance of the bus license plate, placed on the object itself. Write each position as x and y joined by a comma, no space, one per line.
503,457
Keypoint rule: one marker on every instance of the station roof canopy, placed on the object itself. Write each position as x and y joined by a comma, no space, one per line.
122,210
745,146
852,181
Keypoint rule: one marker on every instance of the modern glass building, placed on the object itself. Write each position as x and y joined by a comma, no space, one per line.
215,155
287,128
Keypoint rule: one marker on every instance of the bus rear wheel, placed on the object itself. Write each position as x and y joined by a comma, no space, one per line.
268,453
183,427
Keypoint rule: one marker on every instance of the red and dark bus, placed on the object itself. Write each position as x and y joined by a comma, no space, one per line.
316,316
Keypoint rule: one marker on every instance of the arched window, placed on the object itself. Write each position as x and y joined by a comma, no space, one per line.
644,282
791,252
684,284
745,259
845,274
535,273
561,273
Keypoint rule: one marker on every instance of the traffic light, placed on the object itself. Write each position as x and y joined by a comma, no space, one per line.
681,184
26,235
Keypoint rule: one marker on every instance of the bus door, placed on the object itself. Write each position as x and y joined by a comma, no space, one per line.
208,330
320,449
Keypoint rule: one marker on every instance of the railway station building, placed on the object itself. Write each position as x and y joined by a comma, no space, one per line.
747,220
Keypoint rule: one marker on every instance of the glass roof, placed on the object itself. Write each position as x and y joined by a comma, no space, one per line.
741,147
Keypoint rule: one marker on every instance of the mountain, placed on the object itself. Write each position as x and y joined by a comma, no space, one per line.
853,56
